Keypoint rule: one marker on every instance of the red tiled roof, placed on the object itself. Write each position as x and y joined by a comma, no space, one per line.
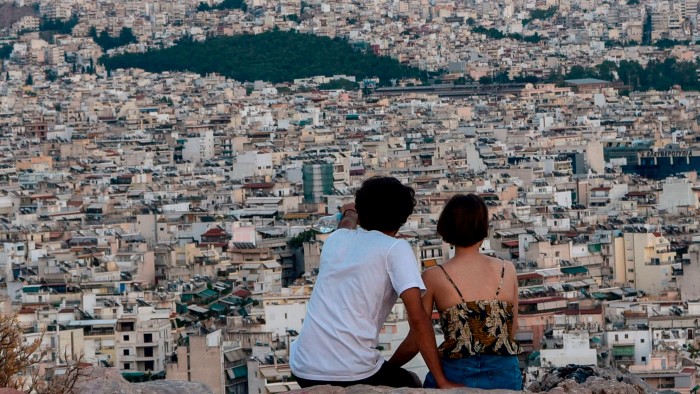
529,275
214,231
241,293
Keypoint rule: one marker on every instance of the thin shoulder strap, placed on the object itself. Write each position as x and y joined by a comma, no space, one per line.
453,283
500,282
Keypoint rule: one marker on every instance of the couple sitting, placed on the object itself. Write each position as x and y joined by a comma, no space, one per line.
363,271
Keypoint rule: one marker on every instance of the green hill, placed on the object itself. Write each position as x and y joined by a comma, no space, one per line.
275,56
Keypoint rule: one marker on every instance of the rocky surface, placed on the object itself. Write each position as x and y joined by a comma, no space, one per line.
577,379
362,389
572,379
109,380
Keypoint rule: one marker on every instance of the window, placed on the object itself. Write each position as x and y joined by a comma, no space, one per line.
126,337
644,359
626,336
127,365
642,341
149,365
148,338
616,338
126,352
148,352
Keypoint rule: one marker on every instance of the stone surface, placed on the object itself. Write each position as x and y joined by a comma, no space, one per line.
577,379
9,391
363,389
109,380
171,387
573,379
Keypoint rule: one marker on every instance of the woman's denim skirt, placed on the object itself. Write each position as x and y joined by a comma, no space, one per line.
482,371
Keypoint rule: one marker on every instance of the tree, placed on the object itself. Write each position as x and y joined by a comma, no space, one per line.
126,36
29,81
16,357
58,25
6,51
19,364
298,241
107,42
646,30
51,75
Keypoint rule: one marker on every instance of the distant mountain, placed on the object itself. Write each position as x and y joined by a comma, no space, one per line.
276,56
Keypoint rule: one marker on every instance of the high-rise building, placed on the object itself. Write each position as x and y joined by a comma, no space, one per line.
317,180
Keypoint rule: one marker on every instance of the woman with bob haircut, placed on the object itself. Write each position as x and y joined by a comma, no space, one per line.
477,298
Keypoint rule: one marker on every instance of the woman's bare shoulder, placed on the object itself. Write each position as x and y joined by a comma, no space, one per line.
430,273
510,268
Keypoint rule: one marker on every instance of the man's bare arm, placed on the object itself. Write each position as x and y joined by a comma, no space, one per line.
424,336
349,219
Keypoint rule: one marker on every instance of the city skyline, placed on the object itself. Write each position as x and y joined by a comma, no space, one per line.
152,218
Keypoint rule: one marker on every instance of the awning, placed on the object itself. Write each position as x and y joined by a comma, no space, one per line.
240,371
208,293
198,309
624,351
235,355
574,270
430,263
599,295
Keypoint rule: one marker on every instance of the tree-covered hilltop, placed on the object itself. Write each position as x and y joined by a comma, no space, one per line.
224,5
276,56
657,75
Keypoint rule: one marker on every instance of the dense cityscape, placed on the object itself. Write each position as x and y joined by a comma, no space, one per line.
162,165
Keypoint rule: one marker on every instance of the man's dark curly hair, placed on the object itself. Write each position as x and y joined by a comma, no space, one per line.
384,203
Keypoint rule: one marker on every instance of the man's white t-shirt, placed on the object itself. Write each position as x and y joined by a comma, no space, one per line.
361,275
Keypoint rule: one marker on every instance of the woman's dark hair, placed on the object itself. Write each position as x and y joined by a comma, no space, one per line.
384,203
464,221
